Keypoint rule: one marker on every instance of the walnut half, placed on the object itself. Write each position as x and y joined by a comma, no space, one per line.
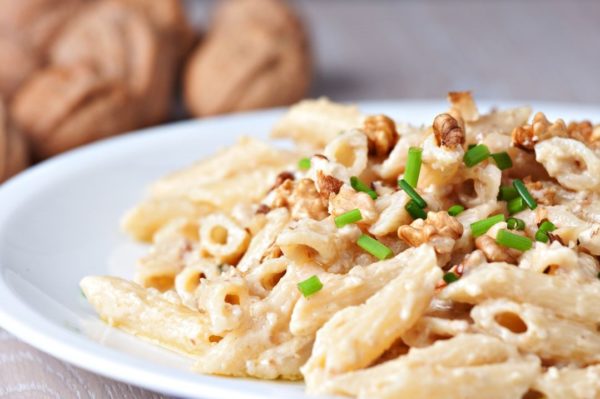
381,133
494,252
439,229
447,131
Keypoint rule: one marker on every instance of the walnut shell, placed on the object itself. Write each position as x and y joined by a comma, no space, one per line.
62,107
256,55
14,155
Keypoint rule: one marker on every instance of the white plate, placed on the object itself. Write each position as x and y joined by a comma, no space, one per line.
59,222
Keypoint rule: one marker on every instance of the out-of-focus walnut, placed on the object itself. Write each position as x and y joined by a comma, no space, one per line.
14,155
63,107
382,134
19,61
527,136
447,131
585,132
463,104
301,198
494,252
256,55
327,185
544,192
439,229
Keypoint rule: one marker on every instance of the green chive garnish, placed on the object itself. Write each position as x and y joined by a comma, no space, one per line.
471,146
374,247
349,217
547,226
450,277
511,240
515,205
455,210
515,224
541,236
404,185
475,155
362,187
598,275
415,210
502,160
524,193
507,193
413,166
310,286
304,164
481,227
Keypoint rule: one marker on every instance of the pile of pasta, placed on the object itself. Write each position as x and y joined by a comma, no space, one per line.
379,259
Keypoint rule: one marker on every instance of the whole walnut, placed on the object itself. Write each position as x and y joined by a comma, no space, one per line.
256,55
111,69
14,155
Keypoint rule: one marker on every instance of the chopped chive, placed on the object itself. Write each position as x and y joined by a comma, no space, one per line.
304,164
415,210
349,217
475,155
515,205
541,236
503,160
547,226
598,275
404,185
362,187
413,166
524,193
471,146
507,193
481,227
455,210
310,286
511,240
374,247
515,224
450,277
82,293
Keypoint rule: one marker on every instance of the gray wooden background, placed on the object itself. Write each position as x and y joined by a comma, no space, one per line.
530,50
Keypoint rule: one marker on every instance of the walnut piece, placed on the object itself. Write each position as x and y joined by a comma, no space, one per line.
301,198
381,133
447,131
439,229
527,136
256,55
463,104
494,252
348,199
328,185
544,192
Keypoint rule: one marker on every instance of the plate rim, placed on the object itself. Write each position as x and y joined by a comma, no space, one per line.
30,326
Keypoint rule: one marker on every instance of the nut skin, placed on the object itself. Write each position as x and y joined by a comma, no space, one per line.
328,185
381,133
256,55
448,132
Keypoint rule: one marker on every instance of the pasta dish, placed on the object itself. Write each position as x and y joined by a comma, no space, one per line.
378,259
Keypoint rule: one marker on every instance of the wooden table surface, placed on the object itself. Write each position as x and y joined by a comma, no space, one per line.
534,50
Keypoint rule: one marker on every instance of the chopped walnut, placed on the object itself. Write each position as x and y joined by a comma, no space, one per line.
281,178
301,198
348,199
527,136
381,133
448,132
439,229
463,103
494,252
263,209
327,185
584,132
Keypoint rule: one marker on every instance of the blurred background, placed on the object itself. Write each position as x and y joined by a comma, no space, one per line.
75,71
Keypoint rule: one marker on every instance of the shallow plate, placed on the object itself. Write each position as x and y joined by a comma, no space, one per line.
59,222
